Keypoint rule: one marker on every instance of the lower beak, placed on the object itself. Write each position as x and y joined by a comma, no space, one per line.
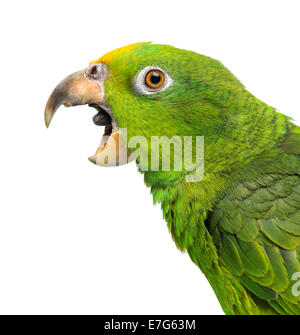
85,87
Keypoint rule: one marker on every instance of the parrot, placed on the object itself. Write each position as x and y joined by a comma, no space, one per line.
240,222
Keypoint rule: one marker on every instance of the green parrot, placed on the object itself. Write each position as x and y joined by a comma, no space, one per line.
240,222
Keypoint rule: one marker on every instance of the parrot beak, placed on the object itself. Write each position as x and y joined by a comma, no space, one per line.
86,87
74,90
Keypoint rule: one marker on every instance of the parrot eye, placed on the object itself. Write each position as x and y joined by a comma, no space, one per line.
151,80
155,79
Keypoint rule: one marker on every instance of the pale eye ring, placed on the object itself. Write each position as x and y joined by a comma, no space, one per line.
151,80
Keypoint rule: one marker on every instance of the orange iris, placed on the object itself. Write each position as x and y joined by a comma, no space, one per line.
155,78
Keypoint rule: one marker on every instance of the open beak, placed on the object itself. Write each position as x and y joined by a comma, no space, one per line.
87,87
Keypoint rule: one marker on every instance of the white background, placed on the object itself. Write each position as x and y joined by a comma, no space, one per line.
77,238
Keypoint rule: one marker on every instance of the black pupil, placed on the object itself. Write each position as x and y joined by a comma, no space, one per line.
155,78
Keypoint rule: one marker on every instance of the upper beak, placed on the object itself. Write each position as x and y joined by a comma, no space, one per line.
76,89
86,87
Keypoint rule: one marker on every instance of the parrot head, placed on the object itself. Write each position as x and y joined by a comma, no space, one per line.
157,90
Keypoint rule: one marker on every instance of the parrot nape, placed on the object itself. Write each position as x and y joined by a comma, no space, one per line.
240,224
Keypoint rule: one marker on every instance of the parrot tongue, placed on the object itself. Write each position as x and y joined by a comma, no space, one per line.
111,151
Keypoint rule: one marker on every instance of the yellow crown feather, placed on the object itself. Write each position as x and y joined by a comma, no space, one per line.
107,58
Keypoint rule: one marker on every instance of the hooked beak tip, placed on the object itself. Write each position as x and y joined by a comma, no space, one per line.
49,112
47,120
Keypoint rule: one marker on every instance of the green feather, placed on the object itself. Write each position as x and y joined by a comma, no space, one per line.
240,223
279,236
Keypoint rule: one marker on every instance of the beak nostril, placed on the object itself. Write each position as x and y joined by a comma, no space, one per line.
96,72
93,70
